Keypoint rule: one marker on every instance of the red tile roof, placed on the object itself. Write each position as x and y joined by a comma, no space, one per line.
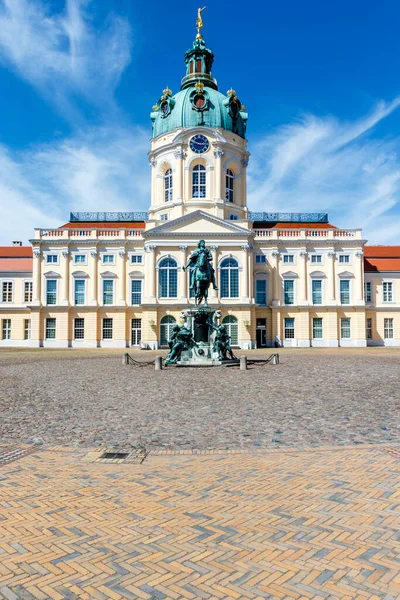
106,224
264,225
15,251
15,264
382,251
381,258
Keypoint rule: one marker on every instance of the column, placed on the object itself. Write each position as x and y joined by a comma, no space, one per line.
37,277
150,277
331,278
121,295
218,154
245,272
94,300
183,275
303,291
64,292
360,277
214,252
180,156
276,292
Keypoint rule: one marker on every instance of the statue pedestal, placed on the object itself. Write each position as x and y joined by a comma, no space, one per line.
197,320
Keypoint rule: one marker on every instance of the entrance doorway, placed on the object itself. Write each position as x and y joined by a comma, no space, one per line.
261,333
136,332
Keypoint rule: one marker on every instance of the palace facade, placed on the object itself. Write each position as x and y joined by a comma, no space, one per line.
116,279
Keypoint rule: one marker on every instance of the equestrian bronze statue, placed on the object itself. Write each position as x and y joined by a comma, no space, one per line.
202,273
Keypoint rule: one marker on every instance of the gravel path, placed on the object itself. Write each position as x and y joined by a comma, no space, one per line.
311,398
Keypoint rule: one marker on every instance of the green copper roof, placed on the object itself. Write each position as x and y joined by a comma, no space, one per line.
199,103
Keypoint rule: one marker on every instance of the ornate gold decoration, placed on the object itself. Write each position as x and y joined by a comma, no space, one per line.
243,107
199,87
231,92
199,23
155,107
167,92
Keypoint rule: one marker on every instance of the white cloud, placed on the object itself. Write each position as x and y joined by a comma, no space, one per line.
61,55
322,164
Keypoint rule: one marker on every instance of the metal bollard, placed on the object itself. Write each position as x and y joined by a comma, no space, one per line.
125,359
243,363
158,363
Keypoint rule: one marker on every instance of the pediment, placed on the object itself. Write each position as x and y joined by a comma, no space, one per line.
317,274
108,275
136,274
79,274
197,224
289,275
346,274
52,275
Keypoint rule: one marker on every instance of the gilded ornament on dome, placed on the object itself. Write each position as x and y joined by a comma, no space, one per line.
167,92
199,86
231,92
199,23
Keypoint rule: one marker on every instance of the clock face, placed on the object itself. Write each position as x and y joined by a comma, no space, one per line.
199,143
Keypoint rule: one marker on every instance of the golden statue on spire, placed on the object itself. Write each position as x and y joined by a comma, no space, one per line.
199,23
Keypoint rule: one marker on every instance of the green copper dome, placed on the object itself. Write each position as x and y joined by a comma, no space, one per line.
198,103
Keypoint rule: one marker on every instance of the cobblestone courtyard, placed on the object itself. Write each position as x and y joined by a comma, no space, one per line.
314,397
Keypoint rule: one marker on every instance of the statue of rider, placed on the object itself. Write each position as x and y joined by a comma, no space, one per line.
193,260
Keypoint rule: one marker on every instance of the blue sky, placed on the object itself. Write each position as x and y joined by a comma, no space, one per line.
320,81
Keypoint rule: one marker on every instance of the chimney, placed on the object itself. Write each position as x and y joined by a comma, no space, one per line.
17,243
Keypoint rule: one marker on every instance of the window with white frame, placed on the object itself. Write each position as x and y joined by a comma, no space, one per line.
316,259
52,259
388,329
50,329
231,324
107,329
168,185
108,291
229,278
168,278
51,292
387,291
80,259
136,289
28,291
79,292
345,291
79,329
261,259
136,259
288,291
229,180
289,328
368,328
199,182
317,328
164,217
368,291
7,290
316,291
288,259
233,217
108,259
344,258
261,291
345,332
27,329
6,329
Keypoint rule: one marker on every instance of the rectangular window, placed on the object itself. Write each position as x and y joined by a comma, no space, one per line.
316,259
387,291
288,259
288,289
27,329
388,329
79,292
233,217
345,328
344,258
136,332
164,217
368,329
79,259
52,259
6,329
344,291
7,291
107,329
317,329
261,259
136,259
289,329
50,329
28,290
79,329
316,287
108,259
51,291
136,291
108,291
368,291
261,292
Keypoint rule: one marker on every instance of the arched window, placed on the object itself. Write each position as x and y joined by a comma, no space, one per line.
229,185
168,185
231,324
166,326
199,182
168,278
229,278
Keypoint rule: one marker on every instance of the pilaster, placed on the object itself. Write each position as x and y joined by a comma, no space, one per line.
303,292
182,278
331,278
36,276
94,278
121,277
150,280
64,292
